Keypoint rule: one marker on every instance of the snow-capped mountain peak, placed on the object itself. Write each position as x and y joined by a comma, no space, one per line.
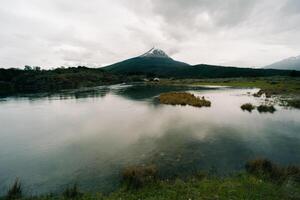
154,52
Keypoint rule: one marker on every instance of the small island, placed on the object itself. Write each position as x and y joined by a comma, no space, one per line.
247,106
183,98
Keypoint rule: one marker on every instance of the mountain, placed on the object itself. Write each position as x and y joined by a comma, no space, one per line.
156,62
292,63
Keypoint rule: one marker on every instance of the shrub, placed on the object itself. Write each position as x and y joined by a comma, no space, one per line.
293,172
266,108
138,176
259,93
268,93
264,168
183,98
15,191
72,192
248,106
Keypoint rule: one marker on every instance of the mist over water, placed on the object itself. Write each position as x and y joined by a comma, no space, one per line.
87,136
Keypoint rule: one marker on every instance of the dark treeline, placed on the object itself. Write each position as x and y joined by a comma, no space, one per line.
198,71
34,79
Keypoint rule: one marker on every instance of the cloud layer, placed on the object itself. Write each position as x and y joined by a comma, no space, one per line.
53,33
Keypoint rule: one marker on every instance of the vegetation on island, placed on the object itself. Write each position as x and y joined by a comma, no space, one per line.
262,179
261,108
183,98
266,109
284,89
248,106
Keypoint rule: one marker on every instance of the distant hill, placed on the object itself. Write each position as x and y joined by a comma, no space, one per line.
157,63
292,63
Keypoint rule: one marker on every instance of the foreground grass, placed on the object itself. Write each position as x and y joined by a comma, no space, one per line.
262,179
238,187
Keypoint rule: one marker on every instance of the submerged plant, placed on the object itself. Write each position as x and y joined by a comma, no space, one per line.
247,106
15,191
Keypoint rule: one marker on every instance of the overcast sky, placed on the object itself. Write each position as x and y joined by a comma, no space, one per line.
53,33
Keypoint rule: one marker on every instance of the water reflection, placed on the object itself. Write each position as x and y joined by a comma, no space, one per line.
56,141
93,92
142,92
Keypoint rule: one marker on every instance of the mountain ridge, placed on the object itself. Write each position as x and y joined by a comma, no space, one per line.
291,63
156,62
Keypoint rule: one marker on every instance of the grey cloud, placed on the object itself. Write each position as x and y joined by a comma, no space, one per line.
292,7
218,12
73,32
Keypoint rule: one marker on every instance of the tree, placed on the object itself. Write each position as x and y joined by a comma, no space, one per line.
37,68
27,68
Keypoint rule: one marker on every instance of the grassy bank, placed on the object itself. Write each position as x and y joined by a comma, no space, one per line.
276,85
262,179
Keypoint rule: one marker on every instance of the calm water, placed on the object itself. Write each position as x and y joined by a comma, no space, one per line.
88,136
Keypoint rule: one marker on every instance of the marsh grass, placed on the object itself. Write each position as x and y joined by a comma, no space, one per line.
138,176
183,98
247,106
262,180
15,191
295,103
72,192
268,170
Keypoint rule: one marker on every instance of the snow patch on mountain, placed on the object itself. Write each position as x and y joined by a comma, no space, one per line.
155,53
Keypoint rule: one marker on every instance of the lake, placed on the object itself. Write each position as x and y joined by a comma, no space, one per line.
88,136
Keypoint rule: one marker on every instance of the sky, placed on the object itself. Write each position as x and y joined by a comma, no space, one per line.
95,33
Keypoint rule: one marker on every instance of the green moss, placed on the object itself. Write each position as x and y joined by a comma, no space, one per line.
183,98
